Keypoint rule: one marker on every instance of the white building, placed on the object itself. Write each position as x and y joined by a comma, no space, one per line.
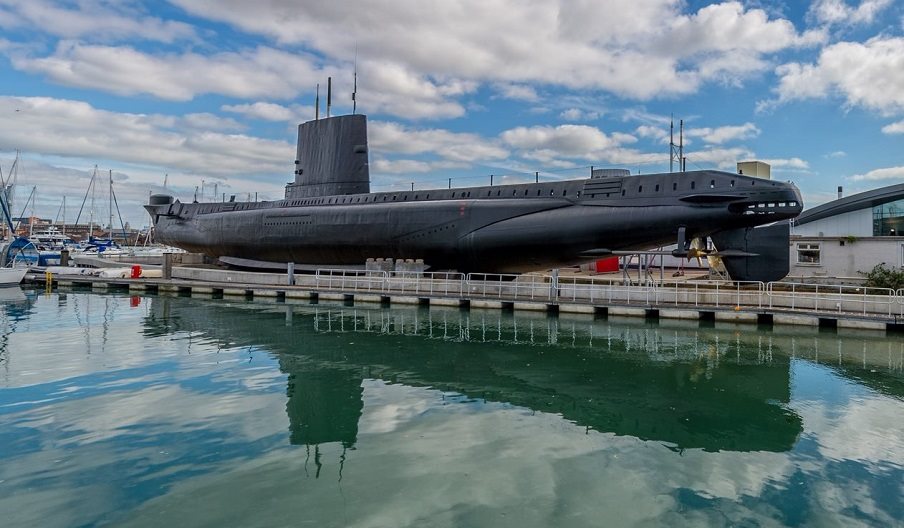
850,235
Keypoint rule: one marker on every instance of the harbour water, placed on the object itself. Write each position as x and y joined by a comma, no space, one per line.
177,411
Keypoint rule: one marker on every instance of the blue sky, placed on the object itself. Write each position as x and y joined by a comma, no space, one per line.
211,91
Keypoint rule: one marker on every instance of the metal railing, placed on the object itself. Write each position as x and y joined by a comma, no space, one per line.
821,298
796,297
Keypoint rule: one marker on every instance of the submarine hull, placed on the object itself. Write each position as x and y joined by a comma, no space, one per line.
330,217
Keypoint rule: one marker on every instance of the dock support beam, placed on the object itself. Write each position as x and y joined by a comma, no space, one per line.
167,266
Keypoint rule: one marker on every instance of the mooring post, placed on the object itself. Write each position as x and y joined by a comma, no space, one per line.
64,257
167,266
290,274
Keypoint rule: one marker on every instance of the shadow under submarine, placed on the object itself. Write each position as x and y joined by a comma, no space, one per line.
330,218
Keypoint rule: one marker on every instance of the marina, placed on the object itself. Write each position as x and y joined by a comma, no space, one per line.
452,264
200,411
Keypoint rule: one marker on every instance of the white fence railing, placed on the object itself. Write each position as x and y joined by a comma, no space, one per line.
797,297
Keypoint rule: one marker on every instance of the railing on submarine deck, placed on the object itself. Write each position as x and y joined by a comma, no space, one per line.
790,296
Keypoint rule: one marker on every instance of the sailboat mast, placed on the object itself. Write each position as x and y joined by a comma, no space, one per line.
111,205
31,221
91,215
13,179
64,215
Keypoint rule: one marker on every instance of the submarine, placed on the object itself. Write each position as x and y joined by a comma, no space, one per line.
329,217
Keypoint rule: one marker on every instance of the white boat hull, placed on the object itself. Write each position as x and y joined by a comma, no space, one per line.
11,276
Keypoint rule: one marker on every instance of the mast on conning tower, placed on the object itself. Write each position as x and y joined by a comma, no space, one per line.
329,95
676,152
317,104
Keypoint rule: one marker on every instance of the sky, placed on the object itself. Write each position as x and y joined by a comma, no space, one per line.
205,95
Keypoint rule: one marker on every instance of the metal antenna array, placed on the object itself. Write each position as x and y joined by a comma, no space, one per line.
355,89
676,152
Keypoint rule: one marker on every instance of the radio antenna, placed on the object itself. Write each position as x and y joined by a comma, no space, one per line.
355,90
317,104
329,95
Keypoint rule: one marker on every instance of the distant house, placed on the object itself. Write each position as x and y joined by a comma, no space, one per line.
849,235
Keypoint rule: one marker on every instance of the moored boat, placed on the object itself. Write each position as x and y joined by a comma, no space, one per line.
11,276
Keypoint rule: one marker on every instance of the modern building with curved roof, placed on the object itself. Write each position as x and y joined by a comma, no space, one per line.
850,235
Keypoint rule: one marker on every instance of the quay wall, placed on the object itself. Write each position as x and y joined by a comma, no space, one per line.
845,309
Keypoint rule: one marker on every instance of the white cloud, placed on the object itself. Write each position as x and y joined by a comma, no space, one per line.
566,140
76,129
519,92
207,121
409,166
831,12
654,132
868,74
576,114
836,154
388,87
889,173
272,112
894,128
122,70
649,48
724,134
389,137
91,20
647,118
723,158
622,138
788,163
400,166
559,146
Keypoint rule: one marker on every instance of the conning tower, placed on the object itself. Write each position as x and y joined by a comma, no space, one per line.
332,158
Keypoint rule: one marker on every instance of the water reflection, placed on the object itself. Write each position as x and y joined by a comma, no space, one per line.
714,389
155,411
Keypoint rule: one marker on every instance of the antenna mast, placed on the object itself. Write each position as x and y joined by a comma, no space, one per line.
355,89
672,144
317,104
676,152
329,95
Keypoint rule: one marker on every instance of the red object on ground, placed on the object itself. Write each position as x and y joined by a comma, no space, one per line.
606,264
136,271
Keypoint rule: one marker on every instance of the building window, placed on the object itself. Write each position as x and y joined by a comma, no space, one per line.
807,253
888,219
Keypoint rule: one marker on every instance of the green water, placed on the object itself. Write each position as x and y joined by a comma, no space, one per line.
173,411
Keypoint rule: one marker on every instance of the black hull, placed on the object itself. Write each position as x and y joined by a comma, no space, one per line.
493,234
329,217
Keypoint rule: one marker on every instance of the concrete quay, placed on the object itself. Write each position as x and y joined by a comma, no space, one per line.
275,287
